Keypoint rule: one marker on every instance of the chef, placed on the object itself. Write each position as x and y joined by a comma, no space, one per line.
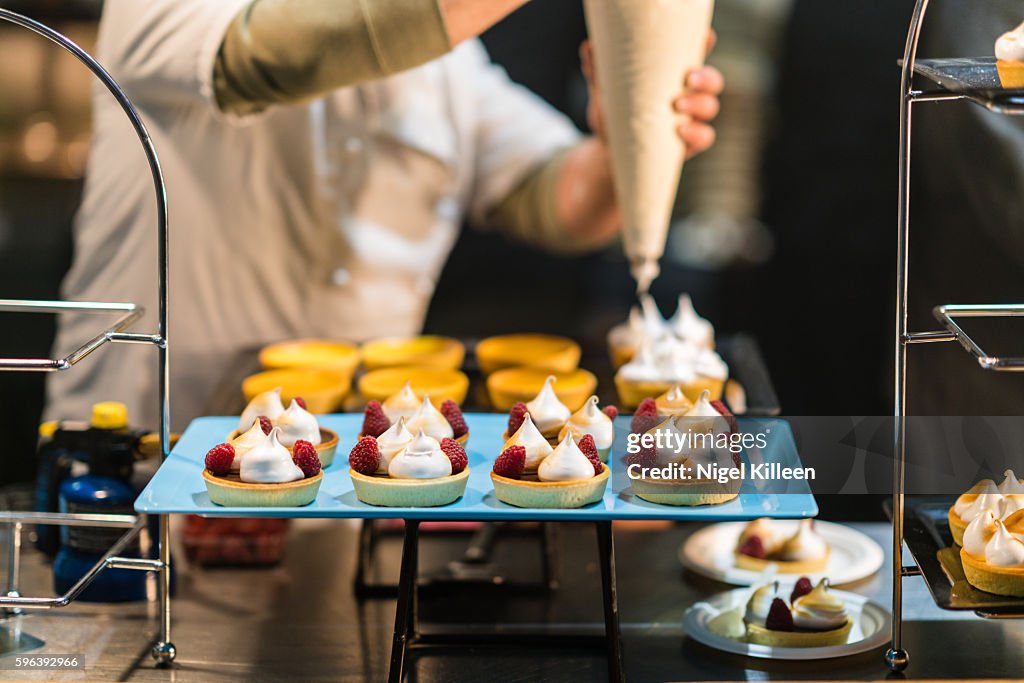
320,157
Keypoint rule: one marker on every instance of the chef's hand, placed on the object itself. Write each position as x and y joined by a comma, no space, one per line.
697,104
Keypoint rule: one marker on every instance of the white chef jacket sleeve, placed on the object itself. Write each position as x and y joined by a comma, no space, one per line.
516,133
164,50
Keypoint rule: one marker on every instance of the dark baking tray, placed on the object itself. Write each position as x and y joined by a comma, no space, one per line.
926,532
975,78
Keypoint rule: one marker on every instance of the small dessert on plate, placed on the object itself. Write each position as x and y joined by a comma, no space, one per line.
398,469
760,544
673,471
646,323
571,476
806,617
418,414
266,474
1003,500
266,411
993,553
1010,58
551,417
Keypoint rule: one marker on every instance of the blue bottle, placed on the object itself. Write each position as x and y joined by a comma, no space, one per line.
99,484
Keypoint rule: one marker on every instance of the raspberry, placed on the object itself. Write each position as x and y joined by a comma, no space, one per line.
219,458
727,414
305,458
516,417
753,546
803,587
301,401
456,453
511,462
647,457
779,617
364,457
265,424
375,422
610,411
589,449
451,412
645,417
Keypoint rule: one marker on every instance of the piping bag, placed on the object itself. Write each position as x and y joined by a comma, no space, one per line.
642,50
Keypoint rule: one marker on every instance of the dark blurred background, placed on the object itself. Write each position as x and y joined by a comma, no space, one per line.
785,230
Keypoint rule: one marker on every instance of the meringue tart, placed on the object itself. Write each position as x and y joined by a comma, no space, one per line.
325,450
520,385
391,492
993,554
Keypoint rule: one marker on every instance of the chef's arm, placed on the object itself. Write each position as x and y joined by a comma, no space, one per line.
281,51
567,205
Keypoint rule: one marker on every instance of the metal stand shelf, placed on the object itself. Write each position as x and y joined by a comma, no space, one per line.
163,651
977,81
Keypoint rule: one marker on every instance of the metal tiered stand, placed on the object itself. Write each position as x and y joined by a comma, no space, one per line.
163,651
977,81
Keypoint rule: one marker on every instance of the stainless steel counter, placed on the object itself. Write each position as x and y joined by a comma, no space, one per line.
300,621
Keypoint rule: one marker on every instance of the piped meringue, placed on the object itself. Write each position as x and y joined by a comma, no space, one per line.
1010,484
1004,549
688,325
392,442
1010,46
429,420
805,544
548,413
673,402
297,423
979,532
269,463
590,420
403,404
529,437
421,459
819,610
566,463
268,404
245,442
760,603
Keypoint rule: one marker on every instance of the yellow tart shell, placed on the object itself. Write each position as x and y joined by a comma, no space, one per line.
417,493
440,384
428,350
551,494
1007,581
783,566
316,354
549,353
759,635
230,493
513,385
686,492
324,390
632,393
1011,74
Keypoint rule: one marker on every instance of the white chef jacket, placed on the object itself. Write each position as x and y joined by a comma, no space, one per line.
327,219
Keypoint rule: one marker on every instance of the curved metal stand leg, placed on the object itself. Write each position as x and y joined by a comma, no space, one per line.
405,611
164,651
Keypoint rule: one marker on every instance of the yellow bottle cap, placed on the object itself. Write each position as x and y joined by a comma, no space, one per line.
109,415
49,428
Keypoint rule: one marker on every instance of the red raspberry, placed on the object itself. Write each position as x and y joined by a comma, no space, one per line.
219,458
610,411
456,453
645,417
753,546
305,457
451,412
803,587
727,414
265,424
364,457
301,401
647,457
779,617
589,449
511,462
375,422
516,417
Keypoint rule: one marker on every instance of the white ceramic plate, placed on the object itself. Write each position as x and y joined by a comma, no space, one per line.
709,552
870,628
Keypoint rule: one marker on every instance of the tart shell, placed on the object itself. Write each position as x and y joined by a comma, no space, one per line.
231,493
957,526
418,493
992,579
631,393
686,492
551,494
759,635
1011,74
783,566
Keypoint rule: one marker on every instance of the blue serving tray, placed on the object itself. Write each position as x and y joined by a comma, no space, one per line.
178,488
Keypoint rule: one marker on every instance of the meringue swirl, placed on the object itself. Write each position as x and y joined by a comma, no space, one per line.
268,404
421,459
405,403
819,610
297,423
529,437
269,463
429,420
392,442
590,420
245,442
566,463
548,413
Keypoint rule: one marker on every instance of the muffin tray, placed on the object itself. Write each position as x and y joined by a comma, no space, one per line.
178,488
928,537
